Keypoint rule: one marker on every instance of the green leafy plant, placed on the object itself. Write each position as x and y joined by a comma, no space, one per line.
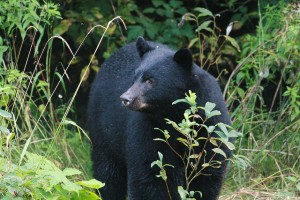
26,127
34,126
162,173
21,18
39,178
190,136
213,48
263,96
158,23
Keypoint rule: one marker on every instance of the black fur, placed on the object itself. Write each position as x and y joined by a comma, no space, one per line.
149,77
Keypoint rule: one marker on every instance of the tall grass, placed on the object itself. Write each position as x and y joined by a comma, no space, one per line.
37,122
263,94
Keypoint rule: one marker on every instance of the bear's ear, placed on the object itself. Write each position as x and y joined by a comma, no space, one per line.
142,46
184,57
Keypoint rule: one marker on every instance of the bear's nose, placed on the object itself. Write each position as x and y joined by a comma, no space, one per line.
126,100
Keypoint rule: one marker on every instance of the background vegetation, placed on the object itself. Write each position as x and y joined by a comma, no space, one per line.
51,50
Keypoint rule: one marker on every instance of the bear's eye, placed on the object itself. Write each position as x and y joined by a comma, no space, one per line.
149,81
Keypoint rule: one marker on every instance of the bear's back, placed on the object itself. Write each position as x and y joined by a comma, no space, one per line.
113,78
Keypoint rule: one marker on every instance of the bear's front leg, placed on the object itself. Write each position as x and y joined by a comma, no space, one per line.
110,171
144,185
210,184
141,151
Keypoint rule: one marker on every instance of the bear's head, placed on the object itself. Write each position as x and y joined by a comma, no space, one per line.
162,77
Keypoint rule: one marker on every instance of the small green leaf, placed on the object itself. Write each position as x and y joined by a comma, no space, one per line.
191,98
182,192
234,133
240,76
175,4
85,72
93,183
222,135
219,151
71,187
209,106
168,165
204,165
241,92
163,174
213,113
165,132
241,161
223,128
228,144
211,129
9,138
292,179
69,122
192,42
2,50
4,130
149,10
180,101
213,141
209,110
71,171
233,42
159,139
298,186
203,26
25,149
204,12
83,194
194,156
153,163
62,27
157,3
183,141
160,156
5,114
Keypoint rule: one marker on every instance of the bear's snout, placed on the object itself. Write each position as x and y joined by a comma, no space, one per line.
132,101
126,99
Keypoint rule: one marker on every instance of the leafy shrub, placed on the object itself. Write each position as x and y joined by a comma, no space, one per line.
39,178
263,94
32,128
19,18
160,23
214,50
190,136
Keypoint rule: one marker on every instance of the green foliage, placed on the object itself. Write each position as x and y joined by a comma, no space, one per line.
190,136
39,178
274,49
33,125
211,46
158,23
162,173
294,95
159,163
27,127
263,94
19,17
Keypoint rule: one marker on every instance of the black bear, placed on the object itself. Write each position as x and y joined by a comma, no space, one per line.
133,94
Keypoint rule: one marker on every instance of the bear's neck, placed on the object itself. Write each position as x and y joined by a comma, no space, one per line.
174,113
